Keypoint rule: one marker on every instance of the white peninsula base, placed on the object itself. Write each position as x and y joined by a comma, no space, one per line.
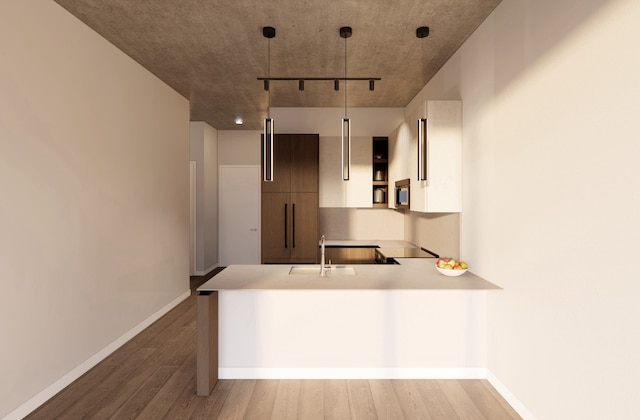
351,334
339,328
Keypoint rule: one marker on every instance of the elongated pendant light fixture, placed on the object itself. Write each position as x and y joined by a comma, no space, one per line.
267,137
423,147
423,126
345,32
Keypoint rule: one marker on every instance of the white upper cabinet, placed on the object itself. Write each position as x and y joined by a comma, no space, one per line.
334,192
442,191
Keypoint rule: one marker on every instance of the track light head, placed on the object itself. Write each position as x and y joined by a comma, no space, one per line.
301,84
371,84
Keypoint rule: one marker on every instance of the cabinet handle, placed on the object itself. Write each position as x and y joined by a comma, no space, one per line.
285,225
423,146
293,225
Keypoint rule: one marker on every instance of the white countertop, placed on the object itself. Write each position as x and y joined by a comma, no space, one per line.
410,274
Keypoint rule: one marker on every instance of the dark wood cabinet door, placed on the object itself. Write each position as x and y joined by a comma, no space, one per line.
276,222
304,226
305,153
290,201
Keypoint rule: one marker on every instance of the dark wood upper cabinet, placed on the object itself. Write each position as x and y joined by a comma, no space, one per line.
290,220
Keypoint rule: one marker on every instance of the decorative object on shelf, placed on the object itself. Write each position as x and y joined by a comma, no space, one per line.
267,139
379,195
380,185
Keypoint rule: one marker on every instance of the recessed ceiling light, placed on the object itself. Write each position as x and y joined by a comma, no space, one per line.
239,121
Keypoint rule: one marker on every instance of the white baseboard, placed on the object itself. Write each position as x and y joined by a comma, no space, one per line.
206,271
509,397
352,373
84,367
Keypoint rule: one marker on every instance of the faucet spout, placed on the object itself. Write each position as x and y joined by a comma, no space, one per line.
323,268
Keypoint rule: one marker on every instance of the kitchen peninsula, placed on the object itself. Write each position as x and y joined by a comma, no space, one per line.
377,321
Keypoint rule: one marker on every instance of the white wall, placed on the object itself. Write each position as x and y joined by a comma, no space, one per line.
239,147
203,149
94,221
551,199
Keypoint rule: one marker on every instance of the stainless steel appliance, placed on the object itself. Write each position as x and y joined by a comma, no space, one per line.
402,194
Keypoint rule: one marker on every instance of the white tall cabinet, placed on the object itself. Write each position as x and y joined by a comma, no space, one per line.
334,192
442,191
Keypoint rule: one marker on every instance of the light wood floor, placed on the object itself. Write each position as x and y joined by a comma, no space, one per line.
153,377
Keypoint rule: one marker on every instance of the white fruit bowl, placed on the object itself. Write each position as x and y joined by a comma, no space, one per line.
451,273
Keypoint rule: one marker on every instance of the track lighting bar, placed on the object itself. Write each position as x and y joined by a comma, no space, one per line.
335,80
319,78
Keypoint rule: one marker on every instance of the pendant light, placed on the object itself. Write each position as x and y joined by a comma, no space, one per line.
345,32
423,146
267,137
423,126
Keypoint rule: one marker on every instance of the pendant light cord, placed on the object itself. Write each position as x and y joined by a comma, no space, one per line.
269,75
345,78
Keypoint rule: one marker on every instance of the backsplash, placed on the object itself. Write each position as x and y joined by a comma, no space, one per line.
438,232
361,224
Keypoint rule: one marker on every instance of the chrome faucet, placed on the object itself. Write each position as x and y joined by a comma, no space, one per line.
323,267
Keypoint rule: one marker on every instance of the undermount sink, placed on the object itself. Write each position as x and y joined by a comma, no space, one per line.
336,270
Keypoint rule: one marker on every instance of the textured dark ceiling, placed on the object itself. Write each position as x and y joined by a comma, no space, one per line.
213,51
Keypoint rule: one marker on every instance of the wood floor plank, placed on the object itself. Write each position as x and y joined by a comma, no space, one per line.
137,402
490,404
361,400
262,399
384,397
122,390
210,407
336,399
168,394
434,399
83,396
410,399
460,400
235,405
285,406
311,404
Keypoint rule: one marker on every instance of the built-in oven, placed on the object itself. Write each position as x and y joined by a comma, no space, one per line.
402,194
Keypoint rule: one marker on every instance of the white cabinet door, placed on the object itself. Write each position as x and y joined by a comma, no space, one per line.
442,191
330,188
358,190
333,191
